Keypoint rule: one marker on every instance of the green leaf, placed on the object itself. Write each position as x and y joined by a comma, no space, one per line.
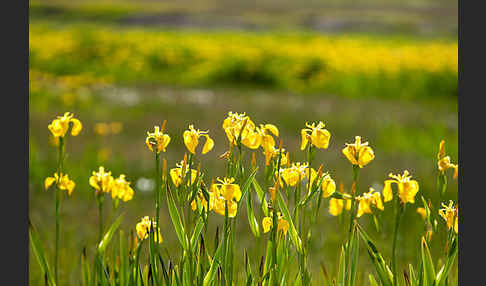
208,279
372,280
246,185
196,232
261,197
176,219
383,271
108,236
429,271
293,232
40,254
341,276
255,228
451,256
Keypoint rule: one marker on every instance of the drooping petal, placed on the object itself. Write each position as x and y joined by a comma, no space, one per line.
349,152
272,128
328,187
387,190
175,176
208,146
320,138
267,224
77,127
48,182
303,133
283,226
190,140
335,206
365,156
93,182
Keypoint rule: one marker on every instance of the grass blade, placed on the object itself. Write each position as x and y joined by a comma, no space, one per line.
176,219
293,232
108,236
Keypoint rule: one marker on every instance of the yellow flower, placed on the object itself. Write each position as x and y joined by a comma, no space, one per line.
101,180
240,127
102,129
121,189
451,215
226,192
319,136
227,189
444,162
265,138
60,125
274,152
422,213
63,182
157,139
191,140
328,186
219,207
358,153
407,188
143,229
368,199
295,173
177,176
282,224
336,206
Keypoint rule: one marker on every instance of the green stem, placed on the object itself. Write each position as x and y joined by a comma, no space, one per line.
100,217
353,194
399,211
157,189
58,207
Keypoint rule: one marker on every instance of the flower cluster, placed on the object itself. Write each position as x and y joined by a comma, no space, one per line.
62,182
103,182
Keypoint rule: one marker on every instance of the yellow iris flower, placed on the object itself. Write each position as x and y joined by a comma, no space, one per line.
157,139
240,127
62,181
143,229
121,189
451,215
336,206
318,136
366,200
101,180
265,139
295,173
60,125
407,188
328,186
282,224
358,153
226,192
191,140
444,162
177,176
